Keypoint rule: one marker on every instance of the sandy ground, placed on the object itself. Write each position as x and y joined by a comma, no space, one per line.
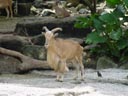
43,83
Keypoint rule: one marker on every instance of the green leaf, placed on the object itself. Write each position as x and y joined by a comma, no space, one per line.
126,2
113,2
115,35
119,11
115,52
78,25
122,43
95,38
83,22
108,18
98,24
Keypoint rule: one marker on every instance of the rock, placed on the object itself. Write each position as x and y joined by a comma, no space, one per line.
34,51
73,2
8,64
89,62
124,66
38,40
105,62
42,4
38,3
84,11
34,26
72,10
80,6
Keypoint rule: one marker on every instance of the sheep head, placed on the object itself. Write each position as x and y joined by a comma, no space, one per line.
49,35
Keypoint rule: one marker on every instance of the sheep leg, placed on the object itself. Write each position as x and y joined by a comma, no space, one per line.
76,73
61,69
60,77
77,70
81,66
10,7
82,70
7,11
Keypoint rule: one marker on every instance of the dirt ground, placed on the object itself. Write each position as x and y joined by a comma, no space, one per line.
43,83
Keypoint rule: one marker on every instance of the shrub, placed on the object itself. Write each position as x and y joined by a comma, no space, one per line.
108,31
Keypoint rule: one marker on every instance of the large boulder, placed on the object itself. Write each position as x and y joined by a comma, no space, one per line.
33,26
34,51
124,66
105,62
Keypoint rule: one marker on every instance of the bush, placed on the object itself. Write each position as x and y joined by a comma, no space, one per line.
107,31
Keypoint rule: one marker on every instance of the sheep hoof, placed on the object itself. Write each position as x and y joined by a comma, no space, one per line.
59,80
82,79
75,78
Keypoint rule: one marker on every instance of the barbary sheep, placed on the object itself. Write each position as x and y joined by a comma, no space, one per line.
60,51
7,5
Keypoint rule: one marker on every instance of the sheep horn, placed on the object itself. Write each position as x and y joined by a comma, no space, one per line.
56,29
46,29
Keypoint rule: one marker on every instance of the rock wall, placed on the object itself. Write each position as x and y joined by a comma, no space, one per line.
34,26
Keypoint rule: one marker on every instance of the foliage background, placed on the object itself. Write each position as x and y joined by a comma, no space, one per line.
109,31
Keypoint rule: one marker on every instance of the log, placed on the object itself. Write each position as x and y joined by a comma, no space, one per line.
22,40
27,63
13,38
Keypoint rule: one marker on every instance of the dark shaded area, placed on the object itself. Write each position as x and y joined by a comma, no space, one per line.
12,44
34,26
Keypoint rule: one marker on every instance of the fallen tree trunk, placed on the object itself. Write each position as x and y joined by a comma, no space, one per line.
16,39
7,37
27,63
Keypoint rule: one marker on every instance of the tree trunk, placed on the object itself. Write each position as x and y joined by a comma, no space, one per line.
27,63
